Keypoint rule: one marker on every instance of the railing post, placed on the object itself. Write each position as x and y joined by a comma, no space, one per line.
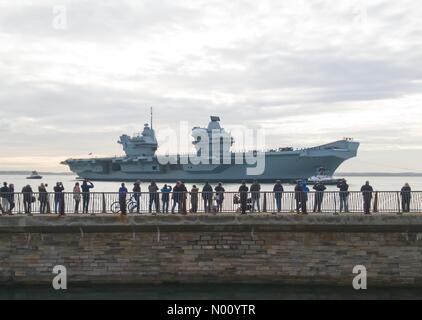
292,203
398,203
376,202
104,204
335,203
264,209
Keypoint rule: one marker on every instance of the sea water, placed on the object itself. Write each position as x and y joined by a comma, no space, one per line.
379,183
206,292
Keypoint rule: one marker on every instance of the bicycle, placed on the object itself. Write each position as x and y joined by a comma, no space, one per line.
131,205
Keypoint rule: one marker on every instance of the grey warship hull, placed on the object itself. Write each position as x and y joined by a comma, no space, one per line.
289,165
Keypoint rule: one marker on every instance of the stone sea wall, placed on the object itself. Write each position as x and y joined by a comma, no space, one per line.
286,249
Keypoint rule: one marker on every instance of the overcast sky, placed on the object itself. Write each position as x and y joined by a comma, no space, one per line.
309,72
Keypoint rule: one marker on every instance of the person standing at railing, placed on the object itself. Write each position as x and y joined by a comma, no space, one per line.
367,192
219,193
11,199
301,197
27,199
154,197
207,194
86,189
184,197
305,194
58,197
77,196
137,195
122,198
4,194
406,197
42,197
319,187
243,191
165,197
176,197
278,194
194,199
344,195
256,195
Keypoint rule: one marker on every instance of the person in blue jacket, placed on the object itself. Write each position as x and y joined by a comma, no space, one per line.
165,197
305,198
122,198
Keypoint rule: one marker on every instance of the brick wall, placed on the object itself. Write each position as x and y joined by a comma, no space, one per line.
254,249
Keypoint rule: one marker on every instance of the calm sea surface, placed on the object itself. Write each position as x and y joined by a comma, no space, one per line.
379,183
207,292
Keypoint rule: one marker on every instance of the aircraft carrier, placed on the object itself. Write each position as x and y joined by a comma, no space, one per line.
141,162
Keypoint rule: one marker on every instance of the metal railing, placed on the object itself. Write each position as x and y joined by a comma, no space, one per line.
265,202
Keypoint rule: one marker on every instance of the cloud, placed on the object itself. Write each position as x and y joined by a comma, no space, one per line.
306,71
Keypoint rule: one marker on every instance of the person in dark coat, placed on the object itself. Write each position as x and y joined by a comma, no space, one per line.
278,194
219,193
256,195
183,198
194,198
122,198
4,194
137,195
207,194
319,195
301,197
27,199
406,197
154,197
243,190
367,193
344,195
86,188
298,196
58,197
176,197
42,197
11,199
